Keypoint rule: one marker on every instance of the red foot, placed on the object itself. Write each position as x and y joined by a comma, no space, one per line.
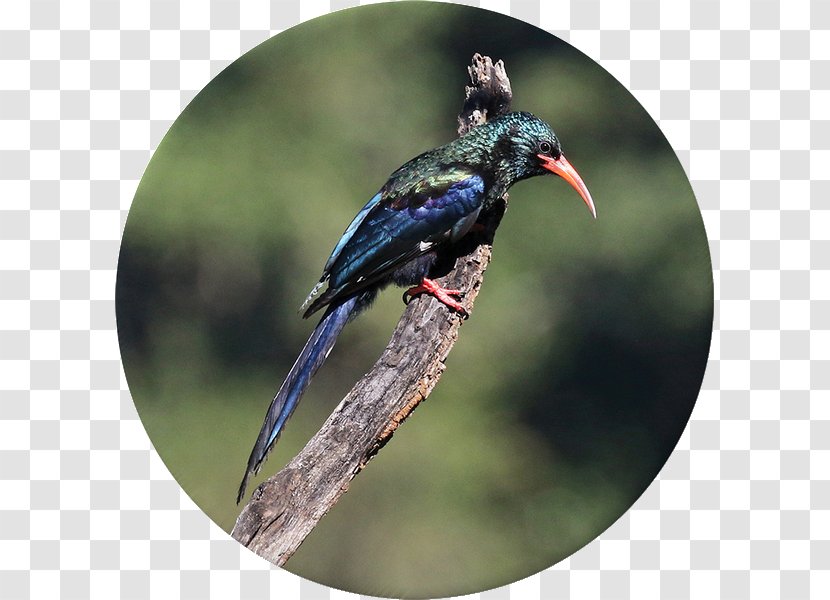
428,286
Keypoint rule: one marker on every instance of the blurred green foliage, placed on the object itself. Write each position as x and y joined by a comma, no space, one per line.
570,384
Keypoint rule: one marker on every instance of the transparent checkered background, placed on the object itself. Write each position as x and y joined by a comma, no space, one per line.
88,89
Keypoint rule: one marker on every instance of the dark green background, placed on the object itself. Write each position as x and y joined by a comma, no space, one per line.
569,386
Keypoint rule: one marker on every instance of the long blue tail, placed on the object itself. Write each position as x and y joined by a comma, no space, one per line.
314,354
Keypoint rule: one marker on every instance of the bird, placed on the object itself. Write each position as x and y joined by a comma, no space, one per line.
430,202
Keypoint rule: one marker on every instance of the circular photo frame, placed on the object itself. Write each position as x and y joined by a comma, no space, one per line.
567,388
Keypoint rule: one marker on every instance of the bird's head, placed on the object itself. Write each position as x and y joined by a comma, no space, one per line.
527,147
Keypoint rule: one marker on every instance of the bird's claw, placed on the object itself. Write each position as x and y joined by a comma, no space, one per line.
443,295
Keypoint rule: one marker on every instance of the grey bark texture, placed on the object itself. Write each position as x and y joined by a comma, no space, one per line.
284,509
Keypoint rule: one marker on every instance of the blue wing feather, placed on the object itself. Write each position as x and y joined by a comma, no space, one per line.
347,235
344,239
392,230
390,236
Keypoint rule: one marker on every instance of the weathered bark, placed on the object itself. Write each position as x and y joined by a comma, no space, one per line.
284,509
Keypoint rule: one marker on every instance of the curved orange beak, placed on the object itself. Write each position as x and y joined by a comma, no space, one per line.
563,168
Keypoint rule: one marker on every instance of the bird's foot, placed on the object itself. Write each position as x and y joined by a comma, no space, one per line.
443,295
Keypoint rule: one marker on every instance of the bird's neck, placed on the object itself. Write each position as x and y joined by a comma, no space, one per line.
493,160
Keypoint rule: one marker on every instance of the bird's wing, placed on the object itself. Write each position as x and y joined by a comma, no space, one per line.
399,224
344,239
347,235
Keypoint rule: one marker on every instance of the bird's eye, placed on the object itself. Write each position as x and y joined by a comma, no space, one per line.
545,147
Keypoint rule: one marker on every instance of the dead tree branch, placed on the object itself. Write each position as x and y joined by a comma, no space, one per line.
284,509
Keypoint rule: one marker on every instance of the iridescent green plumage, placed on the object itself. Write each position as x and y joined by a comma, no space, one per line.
502,151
